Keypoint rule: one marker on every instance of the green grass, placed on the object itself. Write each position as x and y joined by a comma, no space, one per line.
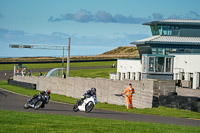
58,65
163,111
20,122
91,73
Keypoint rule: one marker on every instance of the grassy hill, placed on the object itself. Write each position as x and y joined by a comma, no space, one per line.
123,51
120,52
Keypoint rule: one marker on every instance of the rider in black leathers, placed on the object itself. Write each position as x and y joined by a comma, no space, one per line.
89,93
46,95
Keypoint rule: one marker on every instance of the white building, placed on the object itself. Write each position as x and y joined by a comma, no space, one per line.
172,53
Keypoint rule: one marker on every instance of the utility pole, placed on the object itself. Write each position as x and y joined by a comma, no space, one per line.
63,61
68,57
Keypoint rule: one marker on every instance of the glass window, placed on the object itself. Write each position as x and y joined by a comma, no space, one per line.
167,30
160,64
168,64
161,51
154,30
154,51
151,64
167,51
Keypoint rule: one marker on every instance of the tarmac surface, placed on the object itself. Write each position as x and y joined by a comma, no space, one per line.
13,101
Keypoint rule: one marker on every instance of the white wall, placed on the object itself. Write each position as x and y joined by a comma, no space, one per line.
189,64
129,65
129,69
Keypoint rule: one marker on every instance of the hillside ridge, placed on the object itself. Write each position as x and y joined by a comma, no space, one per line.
120,52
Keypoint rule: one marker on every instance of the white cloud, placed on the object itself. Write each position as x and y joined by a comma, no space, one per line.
101,16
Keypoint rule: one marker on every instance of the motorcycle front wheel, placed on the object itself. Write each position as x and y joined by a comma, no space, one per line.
38,105
75,108
89,106
26,106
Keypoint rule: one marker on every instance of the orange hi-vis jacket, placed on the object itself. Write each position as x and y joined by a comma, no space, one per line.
129,91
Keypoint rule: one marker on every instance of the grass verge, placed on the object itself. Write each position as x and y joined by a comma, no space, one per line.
163,111
20,122
92,73
58,65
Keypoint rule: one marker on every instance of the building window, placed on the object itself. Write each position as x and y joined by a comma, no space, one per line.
167,51
154,30
154,51
157,64
165,30
168,64
160,64
151,64
161,51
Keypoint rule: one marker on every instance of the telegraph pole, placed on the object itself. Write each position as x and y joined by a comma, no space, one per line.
68,57
63,61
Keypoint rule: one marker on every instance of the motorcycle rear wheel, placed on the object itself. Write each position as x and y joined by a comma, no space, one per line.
26,106
38,105
89,106
75,108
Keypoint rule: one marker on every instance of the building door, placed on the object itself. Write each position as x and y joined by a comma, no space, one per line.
129,75
124,75
198,86
119,75
191,79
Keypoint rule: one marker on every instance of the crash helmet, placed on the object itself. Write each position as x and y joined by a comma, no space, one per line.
48,91
93,90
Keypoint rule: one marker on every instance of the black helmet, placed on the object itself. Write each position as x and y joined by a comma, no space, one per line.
93,90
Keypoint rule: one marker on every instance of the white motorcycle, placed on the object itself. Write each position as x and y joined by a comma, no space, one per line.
86,105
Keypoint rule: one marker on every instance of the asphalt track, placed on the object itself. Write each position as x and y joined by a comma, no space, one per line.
13,101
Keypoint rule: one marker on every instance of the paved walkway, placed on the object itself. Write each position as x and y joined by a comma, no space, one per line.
12,101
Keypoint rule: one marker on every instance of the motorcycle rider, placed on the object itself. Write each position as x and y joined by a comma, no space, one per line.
46,95
88,94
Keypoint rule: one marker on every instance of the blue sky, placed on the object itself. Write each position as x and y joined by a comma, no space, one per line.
94,26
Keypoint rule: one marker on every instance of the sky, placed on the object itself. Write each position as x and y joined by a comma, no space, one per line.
94,26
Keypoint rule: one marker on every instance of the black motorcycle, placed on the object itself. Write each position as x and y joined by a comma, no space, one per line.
38,101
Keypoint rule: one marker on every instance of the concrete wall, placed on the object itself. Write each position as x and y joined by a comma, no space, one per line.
75,87
163,87
180,102
106,88
188,92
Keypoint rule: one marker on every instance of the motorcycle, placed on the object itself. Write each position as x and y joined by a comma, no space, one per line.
38,101
86,105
